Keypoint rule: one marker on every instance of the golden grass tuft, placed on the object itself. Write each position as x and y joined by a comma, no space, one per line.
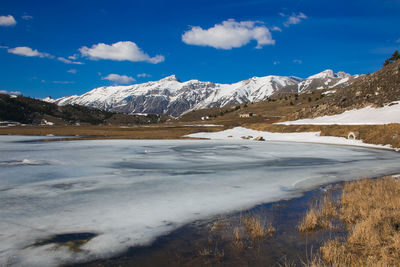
271,230
254,227
251,229
319,216
237,240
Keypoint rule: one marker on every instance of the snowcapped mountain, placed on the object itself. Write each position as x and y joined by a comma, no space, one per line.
173,97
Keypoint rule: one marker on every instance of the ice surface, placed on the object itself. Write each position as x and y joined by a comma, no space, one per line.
128,192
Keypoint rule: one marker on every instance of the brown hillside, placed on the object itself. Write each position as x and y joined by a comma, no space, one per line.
377,89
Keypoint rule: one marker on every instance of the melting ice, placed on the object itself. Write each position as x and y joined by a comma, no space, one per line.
127,192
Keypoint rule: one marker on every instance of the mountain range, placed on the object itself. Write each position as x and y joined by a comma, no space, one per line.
172,97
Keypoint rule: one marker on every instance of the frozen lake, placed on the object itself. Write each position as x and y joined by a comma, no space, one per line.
128,192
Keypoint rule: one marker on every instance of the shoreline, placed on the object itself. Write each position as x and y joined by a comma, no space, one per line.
336,140
211,241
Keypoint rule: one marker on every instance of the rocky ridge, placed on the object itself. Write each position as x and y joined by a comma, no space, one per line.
172,97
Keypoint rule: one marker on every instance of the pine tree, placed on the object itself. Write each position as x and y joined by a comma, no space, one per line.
393,58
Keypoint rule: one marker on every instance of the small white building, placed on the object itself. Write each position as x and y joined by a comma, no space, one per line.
246,115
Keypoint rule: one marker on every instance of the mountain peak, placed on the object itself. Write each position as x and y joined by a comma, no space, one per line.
170,96
48,99
342,74
324,74
329,74
171,78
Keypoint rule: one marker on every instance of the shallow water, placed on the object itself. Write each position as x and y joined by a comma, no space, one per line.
128,192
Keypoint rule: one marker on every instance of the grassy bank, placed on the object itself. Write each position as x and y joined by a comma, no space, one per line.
158,131
369,211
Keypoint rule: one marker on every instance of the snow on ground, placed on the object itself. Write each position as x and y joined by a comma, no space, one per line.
204,125
368,116
329,92
305,137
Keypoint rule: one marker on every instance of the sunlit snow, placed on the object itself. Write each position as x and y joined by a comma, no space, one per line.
368,116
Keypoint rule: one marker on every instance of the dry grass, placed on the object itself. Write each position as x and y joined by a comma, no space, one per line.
237,240
159,131
254,227
250,230
370,211
320,215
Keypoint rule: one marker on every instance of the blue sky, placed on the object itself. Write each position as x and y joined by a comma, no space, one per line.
59,48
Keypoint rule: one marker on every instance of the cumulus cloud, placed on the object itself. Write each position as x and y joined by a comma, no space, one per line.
229,34
67,61
121,79
28,52
119,51
295,19
143,75
26,17
297,61
73,71
7,21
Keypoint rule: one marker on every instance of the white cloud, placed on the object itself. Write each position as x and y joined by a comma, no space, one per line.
10,92
277,62
230,34
295,19
73,57
143,75
4,46
67,61
122,79
64,82
28,52
7,21
276,29
119,51
297,61
73,71
26,17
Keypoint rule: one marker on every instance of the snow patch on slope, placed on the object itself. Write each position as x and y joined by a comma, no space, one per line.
365,116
